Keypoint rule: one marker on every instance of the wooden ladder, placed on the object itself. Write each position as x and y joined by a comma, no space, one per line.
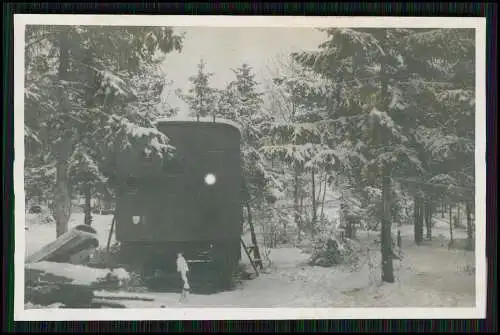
254,261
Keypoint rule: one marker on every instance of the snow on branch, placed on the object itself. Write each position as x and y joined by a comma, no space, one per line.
315,59
157,142
456,95
111,84
339,46
81,164
30,92
356,38
347,151
30,135
397,99
295,130
443,179
48,170
301,154
455,42
441,145
373,192
382,119
325,157
399,155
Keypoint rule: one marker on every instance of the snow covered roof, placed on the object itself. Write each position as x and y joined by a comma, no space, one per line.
202,119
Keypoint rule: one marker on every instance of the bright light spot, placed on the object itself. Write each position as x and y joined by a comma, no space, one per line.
136,219
210,179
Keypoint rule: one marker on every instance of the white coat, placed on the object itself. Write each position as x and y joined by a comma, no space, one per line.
183,268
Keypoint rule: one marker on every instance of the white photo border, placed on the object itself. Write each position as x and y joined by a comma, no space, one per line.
22,314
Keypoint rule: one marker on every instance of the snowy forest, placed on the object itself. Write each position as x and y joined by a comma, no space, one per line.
371,134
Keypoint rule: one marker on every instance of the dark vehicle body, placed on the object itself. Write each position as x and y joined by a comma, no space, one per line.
168,208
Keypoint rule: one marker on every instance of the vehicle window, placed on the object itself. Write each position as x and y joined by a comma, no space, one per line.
131,186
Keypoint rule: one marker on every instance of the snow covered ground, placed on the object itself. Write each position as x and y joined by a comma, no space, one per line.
428,276
39,235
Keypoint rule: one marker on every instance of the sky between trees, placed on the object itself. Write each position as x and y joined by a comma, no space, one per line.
225,48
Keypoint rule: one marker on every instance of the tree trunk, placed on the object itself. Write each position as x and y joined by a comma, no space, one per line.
418,224
285,232
62,196
451,225
296,202
428,219
301,215
470,239
443,209
381,139
458,215
323,199
301,207
386,236
320,188
88,206
314,205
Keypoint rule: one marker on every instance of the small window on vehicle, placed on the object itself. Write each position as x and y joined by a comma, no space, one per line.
131,185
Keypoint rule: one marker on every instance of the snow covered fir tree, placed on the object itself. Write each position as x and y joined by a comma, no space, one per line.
356,154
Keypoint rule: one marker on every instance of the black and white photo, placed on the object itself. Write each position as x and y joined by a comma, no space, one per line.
196,167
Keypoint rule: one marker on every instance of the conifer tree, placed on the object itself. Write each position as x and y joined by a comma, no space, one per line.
200,97
78,79
382,81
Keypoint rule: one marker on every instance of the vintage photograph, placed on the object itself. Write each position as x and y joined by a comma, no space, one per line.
208,166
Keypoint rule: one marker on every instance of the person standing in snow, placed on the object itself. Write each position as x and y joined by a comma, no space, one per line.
183,268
